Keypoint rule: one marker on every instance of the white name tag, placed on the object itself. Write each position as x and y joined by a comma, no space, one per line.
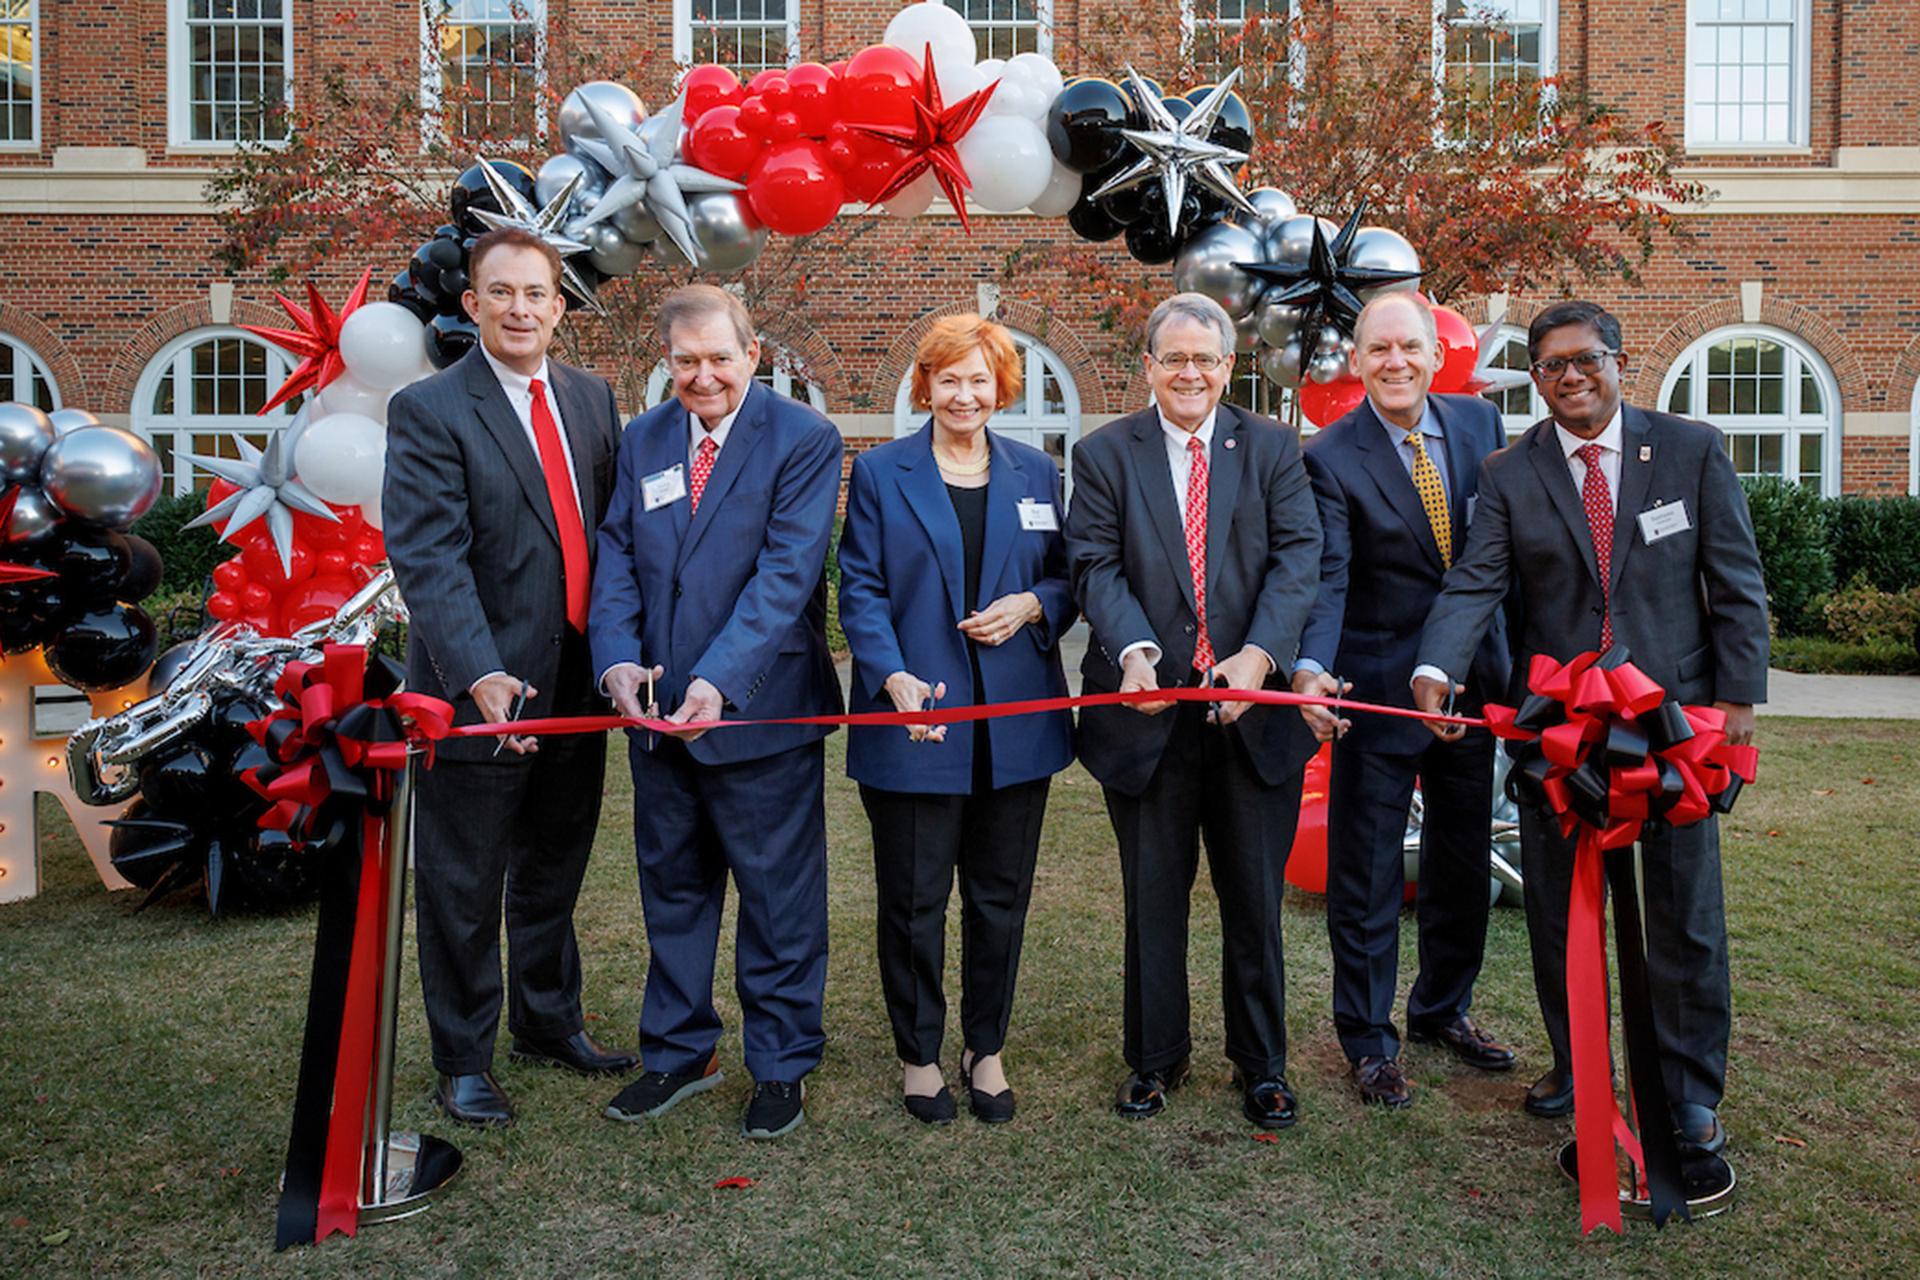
1666,519
663,487
1038,516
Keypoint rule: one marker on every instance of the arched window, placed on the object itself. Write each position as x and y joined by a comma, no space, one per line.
1775,400
1046,417
201,392
24,376
779,371
1520,407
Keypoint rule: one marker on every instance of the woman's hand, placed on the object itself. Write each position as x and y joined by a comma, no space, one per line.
1000,621
910,693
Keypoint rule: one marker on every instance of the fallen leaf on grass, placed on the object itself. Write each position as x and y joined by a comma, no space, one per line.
1787,1141
733,1184
1866,782
1266,1137
18,1222
231,1171
1823,791
1773,831
57,1237
594,1017
1475,1193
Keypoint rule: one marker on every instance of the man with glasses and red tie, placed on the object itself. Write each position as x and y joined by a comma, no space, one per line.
498,470
1194,549
1611,526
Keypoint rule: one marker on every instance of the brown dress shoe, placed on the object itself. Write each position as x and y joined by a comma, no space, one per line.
1381,1081
1469,1041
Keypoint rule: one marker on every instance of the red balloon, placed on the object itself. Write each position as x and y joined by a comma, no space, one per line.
1324,402
352,524
814,98
265,621
794,189
785,127
331,564
223,605
719,145
880,86
316,532
869,166
755,117
263,563
316,600
369,547
765,80
706,87
254,597
1462,348
229,575
838,68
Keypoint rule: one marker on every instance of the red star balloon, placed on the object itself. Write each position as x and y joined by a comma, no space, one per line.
15,572
316,341
929,143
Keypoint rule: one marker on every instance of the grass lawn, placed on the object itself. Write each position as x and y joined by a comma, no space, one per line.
149,1060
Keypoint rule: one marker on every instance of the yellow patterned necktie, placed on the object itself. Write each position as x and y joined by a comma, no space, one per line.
1433,496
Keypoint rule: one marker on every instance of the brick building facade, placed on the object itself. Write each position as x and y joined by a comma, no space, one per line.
1790,319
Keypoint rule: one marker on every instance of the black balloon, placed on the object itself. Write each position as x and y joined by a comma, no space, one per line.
145,846
470,192
436,268
1178,108
167,666
1153,87
185,781
1084,123
94,563
402,292
449,338
1090,220
1233,127
103,648
143,577
1148,242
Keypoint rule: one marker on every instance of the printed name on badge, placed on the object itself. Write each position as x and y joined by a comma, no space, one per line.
663,487
1038,516
1661,521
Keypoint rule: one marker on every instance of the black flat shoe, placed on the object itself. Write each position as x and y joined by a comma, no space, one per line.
476,1100
938,1109
1144,1093
579,1053
988,1108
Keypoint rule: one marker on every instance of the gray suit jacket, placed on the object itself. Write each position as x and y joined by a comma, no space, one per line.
1691,606
1127,554
472,539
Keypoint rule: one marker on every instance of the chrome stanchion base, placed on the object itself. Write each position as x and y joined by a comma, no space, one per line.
419,1166
1714,1197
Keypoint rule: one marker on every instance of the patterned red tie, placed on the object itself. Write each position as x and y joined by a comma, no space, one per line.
1598,499
702,468
566,508
1197,548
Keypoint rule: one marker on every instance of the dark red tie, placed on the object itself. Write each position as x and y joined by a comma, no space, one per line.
1598,499
702,471
566,508
1197,548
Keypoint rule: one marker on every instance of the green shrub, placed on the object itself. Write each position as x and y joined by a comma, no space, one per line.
1825,655
1789,523
177,615
187,555
1877,539
1861,613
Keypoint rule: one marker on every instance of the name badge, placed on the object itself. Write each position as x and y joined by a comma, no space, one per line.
663,487
1663,521
1038,517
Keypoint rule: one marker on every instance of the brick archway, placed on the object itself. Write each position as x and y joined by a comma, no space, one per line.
1645,375
1042,326
124,375
76,390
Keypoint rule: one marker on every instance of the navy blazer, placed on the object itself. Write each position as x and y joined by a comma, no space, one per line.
1380,568
738,593
902,583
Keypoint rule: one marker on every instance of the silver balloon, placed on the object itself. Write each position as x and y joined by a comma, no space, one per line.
65,420
1282,364
636,224
615,99
105,474
725,233
1278,321
557,172
1326,367
1270,204
1246,332
611,253
1208,264
1384,249
1290,240
25,436
33,515
1327,341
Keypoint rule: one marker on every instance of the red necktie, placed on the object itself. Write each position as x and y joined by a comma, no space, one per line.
1598,499
566,508
1197,548
702,468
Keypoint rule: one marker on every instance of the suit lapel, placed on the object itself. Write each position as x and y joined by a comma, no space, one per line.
1223,486
1636,477
926,494
1389,475
1156,479
498,417
1461,466
1006,484
748,428
1551,466
578,414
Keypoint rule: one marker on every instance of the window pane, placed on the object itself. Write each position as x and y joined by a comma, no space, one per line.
1810,402
1681,399
1811,448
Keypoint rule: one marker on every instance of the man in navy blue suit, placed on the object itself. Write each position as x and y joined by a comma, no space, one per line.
1394,482
710,595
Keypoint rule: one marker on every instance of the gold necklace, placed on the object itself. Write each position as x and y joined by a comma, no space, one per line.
964,469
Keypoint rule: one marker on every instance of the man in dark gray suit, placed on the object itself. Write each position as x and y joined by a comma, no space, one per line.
1194,551
497,469
1677,581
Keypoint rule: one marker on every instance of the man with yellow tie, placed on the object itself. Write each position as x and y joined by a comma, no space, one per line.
1394,481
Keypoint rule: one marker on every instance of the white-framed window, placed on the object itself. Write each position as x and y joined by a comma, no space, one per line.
230,72
24,376
778,371
483,66
1520,406
1479,45
1749,64
1913,443
19,74
1255,392
1213,30
1775,401
204,389
747,36
1002,28
1046,417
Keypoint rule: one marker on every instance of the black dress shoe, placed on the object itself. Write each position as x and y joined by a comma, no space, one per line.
1550,1097
474,1099
1469,1041
1267,1101
578,1053
1144,1093
988,1108
1382,1082
937,1109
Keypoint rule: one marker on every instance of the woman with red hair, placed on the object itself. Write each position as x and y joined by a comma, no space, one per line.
953,591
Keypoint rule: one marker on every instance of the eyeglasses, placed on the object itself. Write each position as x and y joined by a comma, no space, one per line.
1203,362
1587,362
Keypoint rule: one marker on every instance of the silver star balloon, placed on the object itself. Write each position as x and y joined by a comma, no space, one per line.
1175,151
543,222
648,173
267,488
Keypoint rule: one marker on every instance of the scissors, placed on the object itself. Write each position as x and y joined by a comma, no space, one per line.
513,713
653,709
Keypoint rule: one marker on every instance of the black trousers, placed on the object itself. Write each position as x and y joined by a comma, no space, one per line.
1205,785
1686,927
1368,796
492,831
993,838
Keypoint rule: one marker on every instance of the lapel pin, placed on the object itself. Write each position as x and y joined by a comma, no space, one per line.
1230,442
1646,453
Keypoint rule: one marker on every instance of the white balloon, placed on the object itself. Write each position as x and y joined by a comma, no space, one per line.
916,198
347,394
1062,193
343,458
956,82
371,513
991,67
381,342
1008,161
932,23
1014,93
1042,72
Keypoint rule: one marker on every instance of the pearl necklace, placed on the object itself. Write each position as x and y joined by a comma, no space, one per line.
964,469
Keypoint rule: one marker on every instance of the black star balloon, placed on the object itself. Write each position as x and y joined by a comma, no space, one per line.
1325,286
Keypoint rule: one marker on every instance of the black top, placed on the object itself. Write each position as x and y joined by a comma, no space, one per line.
970,506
